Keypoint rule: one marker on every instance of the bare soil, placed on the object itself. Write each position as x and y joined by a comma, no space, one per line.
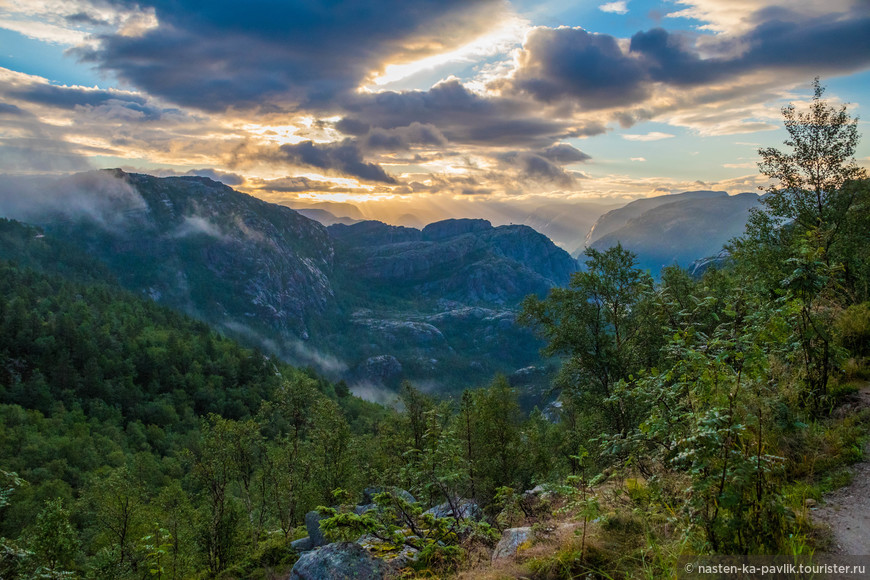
847,510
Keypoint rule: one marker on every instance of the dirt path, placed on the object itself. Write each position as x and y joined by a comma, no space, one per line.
847,510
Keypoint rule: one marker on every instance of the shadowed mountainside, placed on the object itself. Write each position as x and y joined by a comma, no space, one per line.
688,227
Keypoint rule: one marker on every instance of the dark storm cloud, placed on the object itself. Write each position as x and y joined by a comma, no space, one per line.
830,43
564,153
8,109
224,53
462,117
403,137
71,97
534,167
112,103
571,63
783,40
591,70
343,158
85,18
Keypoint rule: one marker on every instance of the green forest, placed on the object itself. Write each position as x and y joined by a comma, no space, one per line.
696,414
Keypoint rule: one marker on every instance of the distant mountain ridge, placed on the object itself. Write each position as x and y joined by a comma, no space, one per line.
459,259
618,218
675,229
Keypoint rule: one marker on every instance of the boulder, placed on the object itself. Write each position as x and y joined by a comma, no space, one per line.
539,492
395,559
361,509
339,561
302,544
382,368
511,540
312,524
465,510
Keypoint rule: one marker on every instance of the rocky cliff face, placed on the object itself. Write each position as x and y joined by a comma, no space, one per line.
201,247
457,259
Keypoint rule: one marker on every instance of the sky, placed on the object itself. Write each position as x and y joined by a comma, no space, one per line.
423,102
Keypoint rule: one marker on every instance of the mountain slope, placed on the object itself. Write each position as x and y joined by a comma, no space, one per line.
200,247
682,231
618,218
458,259
438,305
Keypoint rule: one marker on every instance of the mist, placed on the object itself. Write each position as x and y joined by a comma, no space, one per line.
97,196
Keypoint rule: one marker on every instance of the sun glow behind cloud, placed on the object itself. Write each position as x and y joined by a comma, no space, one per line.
498,41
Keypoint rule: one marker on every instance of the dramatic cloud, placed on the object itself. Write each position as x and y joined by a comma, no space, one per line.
424,99
571,63
343,158
463,117
301,185
564,153
215,56
400,138
535,167
594,71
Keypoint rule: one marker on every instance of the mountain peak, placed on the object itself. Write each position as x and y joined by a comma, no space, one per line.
454,227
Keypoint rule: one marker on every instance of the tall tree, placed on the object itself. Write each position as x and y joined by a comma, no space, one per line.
598,324
803,243
808,182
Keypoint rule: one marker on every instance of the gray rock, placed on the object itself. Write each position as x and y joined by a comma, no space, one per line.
539,492
312,524
465,510
381,368
510,542
396,560
361,509
302,544
339,561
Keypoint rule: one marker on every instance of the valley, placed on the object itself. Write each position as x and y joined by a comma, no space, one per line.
365,302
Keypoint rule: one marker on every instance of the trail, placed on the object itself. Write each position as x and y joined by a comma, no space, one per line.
847,510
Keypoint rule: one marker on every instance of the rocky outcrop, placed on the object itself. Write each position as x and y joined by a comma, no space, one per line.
454,227
383,368
312,526
401,331
465,509
339,561
465,260
511,541
374,233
